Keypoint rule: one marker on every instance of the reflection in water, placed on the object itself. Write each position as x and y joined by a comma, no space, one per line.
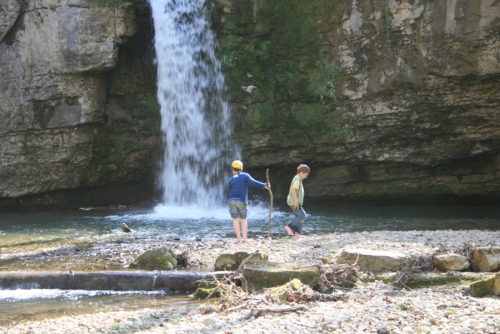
23,305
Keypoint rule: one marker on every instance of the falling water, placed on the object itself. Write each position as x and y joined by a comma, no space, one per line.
195,114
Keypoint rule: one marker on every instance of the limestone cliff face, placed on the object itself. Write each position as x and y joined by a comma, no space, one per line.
72,95
386,99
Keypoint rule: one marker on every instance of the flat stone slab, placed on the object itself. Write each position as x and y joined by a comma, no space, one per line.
260,275
104,280
376,261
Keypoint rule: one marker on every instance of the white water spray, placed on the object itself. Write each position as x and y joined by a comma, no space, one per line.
195,115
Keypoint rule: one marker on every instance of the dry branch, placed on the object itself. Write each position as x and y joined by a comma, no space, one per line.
257,311
229,279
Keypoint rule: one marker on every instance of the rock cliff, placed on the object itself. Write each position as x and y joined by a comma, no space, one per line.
77,108
384,99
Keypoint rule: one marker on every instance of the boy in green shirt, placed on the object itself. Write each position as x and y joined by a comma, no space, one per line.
295,200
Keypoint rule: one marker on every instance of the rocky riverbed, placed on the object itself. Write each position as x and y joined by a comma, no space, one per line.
375,307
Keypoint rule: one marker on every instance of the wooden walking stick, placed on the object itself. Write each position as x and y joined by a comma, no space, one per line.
270,207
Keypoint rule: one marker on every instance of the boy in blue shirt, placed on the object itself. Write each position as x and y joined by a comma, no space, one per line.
238,198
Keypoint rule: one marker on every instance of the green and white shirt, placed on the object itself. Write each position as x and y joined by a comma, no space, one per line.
296,184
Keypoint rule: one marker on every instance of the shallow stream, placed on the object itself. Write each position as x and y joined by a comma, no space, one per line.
93,240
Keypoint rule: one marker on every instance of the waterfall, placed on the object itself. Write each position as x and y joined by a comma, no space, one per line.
195,114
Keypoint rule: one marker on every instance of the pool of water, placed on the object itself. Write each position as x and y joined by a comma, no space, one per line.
190,223
23,305
94,240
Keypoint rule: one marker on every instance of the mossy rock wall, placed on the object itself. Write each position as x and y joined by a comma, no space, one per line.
366,94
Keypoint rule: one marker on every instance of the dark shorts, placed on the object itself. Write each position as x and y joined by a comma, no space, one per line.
300,216
238,209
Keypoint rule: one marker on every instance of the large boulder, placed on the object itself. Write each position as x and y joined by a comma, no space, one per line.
455,262
369,260
162,258
260,275
487,259
233,261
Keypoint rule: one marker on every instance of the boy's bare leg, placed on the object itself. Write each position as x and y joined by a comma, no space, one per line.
236,226
288,230
297,236
244,229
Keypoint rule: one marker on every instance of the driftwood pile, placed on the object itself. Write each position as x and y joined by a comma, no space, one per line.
286,298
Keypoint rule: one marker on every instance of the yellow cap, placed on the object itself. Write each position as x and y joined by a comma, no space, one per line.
237,164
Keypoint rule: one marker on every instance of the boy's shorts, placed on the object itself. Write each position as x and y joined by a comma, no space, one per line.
238,209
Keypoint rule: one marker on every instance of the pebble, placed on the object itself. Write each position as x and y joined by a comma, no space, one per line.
365,309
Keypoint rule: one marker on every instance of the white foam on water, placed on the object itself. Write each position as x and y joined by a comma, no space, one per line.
27,294
195,115
164,212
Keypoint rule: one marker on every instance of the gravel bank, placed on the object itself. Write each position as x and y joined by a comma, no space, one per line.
373,308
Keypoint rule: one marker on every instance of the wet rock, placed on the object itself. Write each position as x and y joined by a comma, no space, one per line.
487,259
369,260
125,228
162,258
454,262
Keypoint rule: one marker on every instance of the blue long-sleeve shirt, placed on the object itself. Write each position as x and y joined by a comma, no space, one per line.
238,185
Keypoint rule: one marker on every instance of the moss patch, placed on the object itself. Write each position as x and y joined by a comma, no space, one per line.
203,293
162,258
282,48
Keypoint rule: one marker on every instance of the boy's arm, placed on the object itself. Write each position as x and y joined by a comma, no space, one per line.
293,191
256,184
